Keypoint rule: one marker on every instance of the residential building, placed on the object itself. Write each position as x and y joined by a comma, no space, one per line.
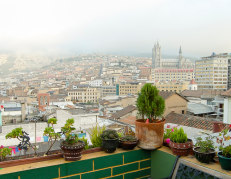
172,87
212,72
84,95
172,74
108,90
129,88
174,102
96,82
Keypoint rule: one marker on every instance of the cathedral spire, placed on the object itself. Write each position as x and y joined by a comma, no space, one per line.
180,52
157,43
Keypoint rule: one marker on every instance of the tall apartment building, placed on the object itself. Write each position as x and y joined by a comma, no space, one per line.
172,74
84,95
172,87
128,88
213,72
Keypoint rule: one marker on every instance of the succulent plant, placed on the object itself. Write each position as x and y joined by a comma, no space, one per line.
109,134
128,138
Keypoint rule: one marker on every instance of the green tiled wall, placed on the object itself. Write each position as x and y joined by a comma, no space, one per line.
125,165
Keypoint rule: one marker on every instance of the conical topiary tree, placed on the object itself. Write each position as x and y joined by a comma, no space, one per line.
149,103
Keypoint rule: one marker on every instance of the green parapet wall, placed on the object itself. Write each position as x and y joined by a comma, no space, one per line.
123,165
162,164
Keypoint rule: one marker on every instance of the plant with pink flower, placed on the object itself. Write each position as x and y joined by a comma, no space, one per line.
168,131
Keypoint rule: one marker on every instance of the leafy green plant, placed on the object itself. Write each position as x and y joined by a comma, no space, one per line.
4,152
120,134
86,143
95,133
205,145
16,133
109,134
222,137
67,129
178,136
149,103
50,133
226,152
128,138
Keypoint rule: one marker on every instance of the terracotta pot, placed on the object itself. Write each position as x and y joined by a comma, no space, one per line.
217,126
150,135
128,145
182,149
72,152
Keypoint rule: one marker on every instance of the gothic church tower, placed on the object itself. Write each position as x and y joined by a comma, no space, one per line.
180,59
156,56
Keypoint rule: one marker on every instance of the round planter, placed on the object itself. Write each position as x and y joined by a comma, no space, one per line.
150,135
128,145
204,157
225,162
182,149
72,152
110,145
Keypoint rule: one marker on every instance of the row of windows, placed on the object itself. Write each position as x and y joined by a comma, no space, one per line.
82,94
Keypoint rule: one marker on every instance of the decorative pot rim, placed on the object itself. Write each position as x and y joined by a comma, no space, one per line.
219,154
214,151
185,145
110,139
141,121
72,147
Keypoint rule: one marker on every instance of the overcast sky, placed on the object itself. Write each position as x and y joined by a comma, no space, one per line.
72,27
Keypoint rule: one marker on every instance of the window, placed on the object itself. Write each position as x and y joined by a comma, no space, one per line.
182,111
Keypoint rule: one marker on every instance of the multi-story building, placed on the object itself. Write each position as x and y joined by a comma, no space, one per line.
172,87
108,91
128,88
84,95
172,74
212,72
96,82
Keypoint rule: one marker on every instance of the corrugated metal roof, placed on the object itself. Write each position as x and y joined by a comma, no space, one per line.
199,108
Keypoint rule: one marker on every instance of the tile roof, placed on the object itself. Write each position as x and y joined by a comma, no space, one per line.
123,112
227,93
201,93
129,120
191,121
167,94
192,82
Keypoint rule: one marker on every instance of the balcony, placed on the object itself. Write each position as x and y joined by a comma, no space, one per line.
138,163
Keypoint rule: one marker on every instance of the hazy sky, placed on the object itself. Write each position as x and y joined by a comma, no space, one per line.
72,27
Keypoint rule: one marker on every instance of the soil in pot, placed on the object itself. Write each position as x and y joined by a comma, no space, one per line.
72,152
204,157
128,145
224,161
182,149
110,145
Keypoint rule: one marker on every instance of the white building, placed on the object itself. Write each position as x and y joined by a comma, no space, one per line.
96,82
212,72
192,85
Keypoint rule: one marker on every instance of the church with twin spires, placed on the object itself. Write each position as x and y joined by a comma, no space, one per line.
159,63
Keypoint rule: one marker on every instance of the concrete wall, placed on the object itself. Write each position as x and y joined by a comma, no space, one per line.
227,111
84,121
175,103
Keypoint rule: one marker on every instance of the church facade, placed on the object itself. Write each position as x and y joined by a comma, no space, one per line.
159,63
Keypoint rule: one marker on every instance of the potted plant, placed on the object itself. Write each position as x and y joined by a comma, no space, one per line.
51,134
167,132
150,129
4,152
225,152
204,150
128,142
72,147
179,143
110,139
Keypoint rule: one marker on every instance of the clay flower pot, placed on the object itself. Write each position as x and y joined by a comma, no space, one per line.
150,135
128,145
72,152
182,149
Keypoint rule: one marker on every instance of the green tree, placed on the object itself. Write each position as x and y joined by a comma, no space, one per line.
149,103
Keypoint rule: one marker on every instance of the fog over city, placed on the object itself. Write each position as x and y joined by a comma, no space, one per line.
65,28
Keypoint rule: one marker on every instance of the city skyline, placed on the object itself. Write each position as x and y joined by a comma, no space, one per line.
126,28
